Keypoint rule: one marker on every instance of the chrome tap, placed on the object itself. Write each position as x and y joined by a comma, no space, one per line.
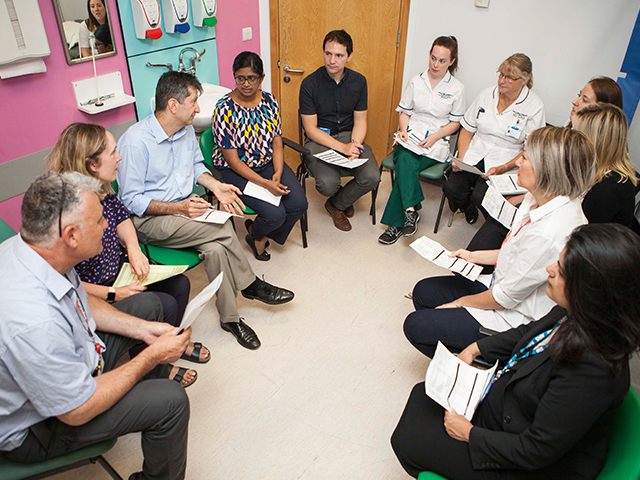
196,58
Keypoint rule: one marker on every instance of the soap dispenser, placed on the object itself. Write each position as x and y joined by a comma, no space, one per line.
204,13
146,19
176,16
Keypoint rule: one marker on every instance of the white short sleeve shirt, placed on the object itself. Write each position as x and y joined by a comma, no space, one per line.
499,137
431,109
535,241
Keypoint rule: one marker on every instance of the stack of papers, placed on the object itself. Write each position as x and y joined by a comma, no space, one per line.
507,184
335,158
464,167
498,207
436,253
455,385
261,193
413,144
157,273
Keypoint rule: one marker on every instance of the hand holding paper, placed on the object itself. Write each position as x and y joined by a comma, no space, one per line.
436,253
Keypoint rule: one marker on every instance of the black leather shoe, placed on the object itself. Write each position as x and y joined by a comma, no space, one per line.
267,293
471,213
136,476
264,256
243,333
247,224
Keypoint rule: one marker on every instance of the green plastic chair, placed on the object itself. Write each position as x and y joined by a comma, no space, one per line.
6,231
91,454
163,255
623,459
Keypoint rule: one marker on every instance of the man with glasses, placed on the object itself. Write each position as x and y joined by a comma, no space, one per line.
59,388
333,107
161,163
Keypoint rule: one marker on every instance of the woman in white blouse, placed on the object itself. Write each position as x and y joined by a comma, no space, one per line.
495,128
430,110
555,167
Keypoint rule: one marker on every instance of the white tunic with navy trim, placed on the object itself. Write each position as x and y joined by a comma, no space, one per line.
499,137
431,109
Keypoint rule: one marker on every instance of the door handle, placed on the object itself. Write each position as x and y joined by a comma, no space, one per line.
289,70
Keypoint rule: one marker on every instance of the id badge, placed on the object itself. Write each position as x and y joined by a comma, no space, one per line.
514,132
325,130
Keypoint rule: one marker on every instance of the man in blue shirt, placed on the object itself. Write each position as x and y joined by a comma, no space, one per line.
59,388
333,108
161,163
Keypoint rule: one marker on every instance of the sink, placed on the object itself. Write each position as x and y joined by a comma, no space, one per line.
207,102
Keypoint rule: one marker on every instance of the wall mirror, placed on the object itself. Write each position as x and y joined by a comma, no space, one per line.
80,21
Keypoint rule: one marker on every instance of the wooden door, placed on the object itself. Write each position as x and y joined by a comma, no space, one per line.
378,29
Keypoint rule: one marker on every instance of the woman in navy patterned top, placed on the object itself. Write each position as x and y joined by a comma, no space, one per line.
248,136
91,150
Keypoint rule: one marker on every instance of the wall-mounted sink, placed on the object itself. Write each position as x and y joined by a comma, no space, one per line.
207,103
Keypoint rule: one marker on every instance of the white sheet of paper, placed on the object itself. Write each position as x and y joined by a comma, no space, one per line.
334,158
212,216
196,305
507,184
498,207
261,193
464,167
436,253
455,385
157,273
412,144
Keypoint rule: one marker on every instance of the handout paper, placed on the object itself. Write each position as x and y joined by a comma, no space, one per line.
436,253
455,385
413,144
334,158
465,167
157,273
261,193
507,184
212,215
498,207
196,305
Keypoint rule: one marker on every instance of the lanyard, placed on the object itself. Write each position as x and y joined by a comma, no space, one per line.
83,316
532,348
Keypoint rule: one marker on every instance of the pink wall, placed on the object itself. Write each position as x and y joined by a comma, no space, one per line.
36,108
233,16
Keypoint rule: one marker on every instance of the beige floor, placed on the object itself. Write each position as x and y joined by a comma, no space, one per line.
321,397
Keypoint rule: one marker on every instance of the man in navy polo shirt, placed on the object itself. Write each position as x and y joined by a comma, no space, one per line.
333,107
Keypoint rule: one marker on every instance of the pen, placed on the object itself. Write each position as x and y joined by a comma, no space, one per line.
426,135
359,149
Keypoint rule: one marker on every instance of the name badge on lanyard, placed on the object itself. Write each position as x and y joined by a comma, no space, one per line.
514,131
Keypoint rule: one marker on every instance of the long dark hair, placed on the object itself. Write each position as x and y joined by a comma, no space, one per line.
601,270
607,90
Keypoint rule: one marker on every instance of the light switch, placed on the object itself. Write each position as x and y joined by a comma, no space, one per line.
246,34
482,3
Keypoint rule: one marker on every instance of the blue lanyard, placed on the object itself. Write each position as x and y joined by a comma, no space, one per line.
532,348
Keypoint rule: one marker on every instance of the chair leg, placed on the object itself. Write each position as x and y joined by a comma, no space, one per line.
451,219
108,468
372,211
435,229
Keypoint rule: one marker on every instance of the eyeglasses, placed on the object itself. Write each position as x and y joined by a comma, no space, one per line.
253,79
507,78
62,199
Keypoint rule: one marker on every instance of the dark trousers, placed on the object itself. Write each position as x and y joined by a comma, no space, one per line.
461,188
328,181
489,236
272,221
155,406
454,327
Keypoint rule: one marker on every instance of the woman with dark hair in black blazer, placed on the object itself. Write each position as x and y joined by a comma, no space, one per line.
547,413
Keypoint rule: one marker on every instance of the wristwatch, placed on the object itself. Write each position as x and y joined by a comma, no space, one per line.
111,296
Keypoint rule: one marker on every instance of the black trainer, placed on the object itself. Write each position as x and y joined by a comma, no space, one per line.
471,213
390,236
411,219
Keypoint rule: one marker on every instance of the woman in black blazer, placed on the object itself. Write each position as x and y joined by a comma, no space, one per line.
546,417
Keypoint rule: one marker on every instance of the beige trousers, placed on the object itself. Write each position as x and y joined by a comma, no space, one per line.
217,245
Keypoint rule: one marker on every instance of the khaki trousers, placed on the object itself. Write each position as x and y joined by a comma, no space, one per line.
218,246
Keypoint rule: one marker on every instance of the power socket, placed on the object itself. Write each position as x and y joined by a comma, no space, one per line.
246,34
482,3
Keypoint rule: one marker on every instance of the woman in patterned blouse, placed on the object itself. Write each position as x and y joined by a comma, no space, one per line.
91,150
248,136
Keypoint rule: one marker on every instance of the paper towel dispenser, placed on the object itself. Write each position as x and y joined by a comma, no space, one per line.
22,33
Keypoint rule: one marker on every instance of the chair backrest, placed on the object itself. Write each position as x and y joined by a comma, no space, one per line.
5,231
623,459
206,146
